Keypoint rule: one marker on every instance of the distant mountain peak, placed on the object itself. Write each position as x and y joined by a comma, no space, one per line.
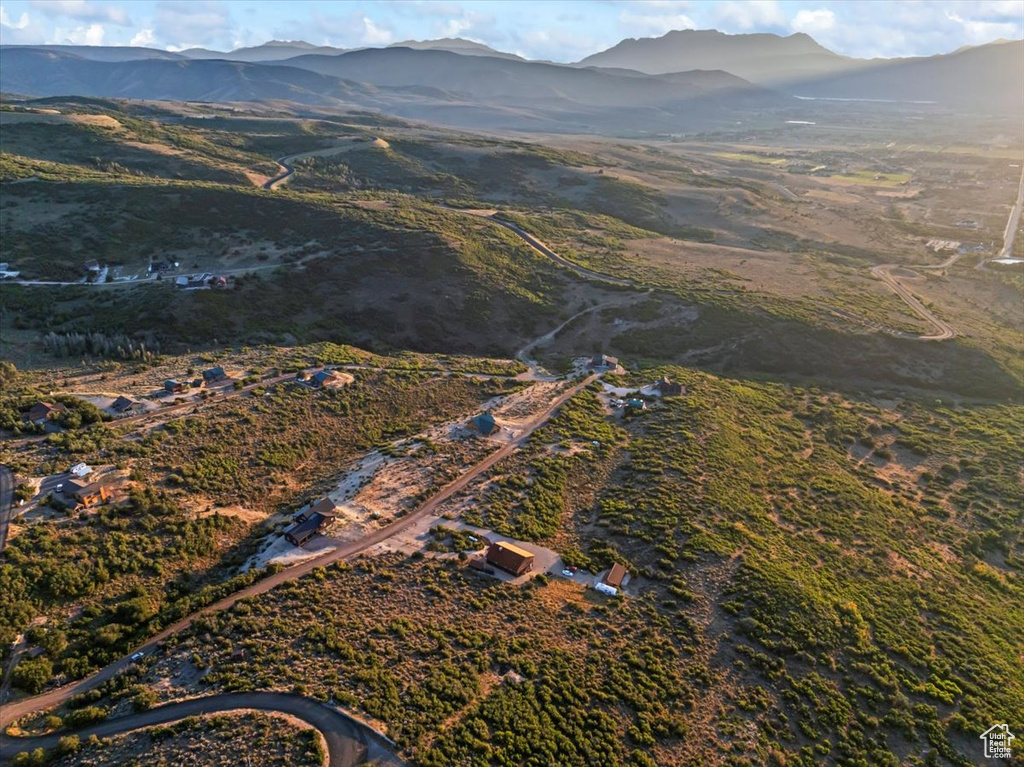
761,57
287,44
455,45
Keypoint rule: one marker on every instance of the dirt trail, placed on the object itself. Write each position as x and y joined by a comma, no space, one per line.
288,170
943,331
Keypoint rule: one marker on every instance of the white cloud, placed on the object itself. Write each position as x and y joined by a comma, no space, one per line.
750,15
552,44
197,23
92,34
5,20
143,38
978,31
814,21
375,35
454,27
654,23
465,21
83,11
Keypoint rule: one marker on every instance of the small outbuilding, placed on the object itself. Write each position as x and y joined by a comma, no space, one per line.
485,424
510,558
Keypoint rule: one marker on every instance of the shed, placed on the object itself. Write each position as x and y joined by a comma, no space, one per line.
616,575
510,558
485,424
174,386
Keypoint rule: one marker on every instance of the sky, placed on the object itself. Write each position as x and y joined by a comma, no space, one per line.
556,30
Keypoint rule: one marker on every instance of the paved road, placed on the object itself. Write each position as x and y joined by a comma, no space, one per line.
18,709
6,503
347,740
1010,233
943,331
286,172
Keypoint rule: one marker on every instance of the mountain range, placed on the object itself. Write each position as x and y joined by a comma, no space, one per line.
681,81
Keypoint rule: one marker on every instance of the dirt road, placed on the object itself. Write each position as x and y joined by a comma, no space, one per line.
943,332
11,712
348,741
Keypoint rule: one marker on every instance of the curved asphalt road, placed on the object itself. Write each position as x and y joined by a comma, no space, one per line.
346,740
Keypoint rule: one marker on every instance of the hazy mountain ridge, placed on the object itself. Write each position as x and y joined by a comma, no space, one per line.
457,45
45,73
273,50
437,85
675,82
763,58
985,74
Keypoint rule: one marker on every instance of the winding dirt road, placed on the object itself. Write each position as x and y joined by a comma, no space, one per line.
943,331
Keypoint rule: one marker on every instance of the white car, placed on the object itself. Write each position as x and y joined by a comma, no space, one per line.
567,573
136,657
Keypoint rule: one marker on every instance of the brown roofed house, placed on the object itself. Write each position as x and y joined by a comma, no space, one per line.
510,558
41,412
616,575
